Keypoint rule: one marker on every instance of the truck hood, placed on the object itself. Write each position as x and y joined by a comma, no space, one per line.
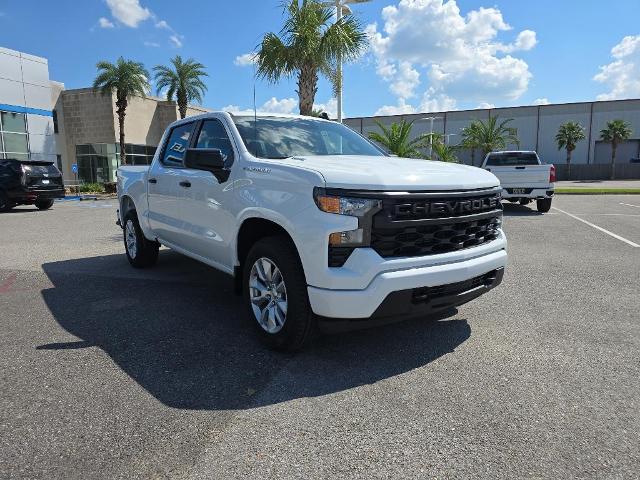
394,173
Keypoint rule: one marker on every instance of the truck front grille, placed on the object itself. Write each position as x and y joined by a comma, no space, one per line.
407,227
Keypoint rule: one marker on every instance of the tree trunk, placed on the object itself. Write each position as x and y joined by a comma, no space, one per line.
569,164
614,146
473,157
121,110
182,103
307,88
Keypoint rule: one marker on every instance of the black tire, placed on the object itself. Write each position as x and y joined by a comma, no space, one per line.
544,205
299,323
5,203
44,204
525,201
145,253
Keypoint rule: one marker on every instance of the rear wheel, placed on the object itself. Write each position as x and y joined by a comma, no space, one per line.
44,204
275,290
141,252
544,205
5,203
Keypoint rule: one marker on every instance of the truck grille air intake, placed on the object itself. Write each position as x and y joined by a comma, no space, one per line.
409,227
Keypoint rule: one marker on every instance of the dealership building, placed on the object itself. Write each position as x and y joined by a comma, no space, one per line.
41,120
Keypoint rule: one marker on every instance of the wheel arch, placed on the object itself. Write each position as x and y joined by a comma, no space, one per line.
252,230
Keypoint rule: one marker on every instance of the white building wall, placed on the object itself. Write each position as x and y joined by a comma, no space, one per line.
25,88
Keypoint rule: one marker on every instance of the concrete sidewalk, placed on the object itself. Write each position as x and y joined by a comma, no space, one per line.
599,184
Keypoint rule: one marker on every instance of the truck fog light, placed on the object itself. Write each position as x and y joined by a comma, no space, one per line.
350,237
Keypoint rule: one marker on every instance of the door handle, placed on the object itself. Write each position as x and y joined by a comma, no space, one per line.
185,184
153,180
520,168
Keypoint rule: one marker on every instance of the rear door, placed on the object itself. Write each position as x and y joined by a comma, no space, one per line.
206,206
168,184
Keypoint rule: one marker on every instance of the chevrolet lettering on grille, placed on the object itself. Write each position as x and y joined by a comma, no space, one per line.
452,207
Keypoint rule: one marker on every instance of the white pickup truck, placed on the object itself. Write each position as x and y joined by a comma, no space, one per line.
523,177
319,227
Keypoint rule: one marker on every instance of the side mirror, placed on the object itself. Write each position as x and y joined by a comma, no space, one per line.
209,159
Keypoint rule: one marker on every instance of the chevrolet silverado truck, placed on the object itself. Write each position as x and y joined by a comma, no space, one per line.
523,177
29,182
320,229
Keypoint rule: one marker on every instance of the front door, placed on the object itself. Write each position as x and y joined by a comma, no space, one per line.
206,206
168,185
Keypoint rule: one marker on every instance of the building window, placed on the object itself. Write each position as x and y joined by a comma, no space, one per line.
13,135
59,161
98,162
55,121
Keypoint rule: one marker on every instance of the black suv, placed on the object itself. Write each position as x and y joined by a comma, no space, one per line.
25,182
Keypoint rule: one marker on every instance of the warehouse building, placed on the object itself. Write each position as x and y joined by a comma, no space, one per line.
536,129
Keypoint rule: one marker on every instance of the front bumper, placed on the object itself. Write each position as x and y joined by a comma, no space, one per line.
391,287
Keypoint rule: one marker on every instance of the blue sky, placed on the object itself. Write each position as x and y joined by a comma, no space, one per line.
425,55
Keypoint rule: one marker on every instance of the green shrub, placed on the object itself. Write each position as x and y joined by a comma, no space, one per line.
92,188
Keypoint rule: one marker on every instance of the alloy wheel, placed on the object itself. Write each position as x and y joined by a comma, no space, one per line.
268,295
130,239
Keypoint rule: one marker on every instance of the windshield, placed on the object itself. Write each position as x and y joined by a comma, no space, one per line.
507,159
279,137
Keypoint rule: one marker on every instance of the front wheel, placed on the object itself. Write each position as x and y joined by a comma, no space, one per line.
275,291
44,204
141,252
544,205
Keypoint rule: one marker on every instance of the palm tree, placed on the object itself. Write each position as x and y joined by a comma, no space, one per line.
184,80
442,151
395,139
491,135
617,131
470,138
569,134
126,79
309,44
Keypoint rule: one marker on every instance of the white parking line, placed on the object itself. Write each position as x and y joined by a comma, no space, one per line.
622,239
629,205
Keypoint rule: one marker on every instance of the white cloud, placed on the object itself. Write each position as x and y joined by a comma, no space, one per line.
459,55
284,106
541,101
485,106
330,107
401,109
176,40
274,105
245,59
128,12
162,24
623,74
151,44
105,23
526,40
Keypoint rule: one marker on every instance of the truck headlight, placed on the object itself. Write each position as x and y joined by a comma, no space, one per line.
355,207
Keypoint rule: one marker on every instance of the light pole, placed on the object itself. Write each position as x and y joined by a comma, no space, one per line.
431,119
341,8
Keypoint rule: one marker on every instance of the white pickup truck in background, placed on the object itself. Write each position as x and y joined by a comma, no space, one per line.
317,225
523,177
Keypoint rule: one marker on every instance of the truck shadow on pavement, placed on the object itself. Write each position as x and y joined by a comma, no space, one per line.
180,332
517,210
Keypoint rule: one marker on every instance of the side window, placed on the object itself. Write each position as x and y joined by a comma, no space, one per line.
213,135
177,145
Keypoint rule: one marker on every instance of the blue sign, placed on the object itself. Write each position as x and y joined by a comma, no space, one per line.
74,168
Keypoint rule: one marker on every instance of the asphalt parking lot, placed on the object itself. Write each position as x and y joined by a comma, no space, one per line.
110,372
